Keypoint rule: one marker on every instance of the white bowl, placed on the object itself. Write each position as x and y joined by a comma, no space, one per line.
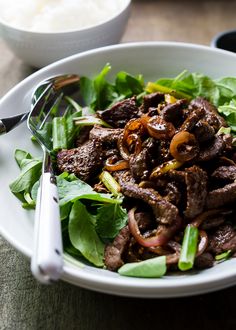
40,49
153,60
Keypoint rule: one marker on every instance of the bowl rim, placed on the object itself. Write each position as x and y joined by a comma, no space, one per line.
131,286
125,7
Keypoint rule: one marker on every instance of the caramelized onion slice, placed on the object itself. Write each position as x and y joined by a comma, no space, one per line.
184,146
158,239
160,129
171,258
202,245
118,166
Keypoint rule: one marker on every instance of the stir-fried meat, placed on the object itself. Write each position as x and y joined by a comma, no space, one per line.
196,182
212,150
213,222
172,167
223,239
120,113
203,261
140,165
174,112
113,251
164,211
85,162
225,173
83,136
152,100
211,114
172,193
203,131
144,220
222,196
107,136
192,120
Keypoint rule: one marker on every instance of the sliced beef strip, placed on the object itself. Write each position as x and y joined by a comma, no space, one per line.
223,239
119,114
203,131
152,100
211,114
174,112
85,162
203,261
144,220
165,212
196,183
192,119
222,196
83,136
140,165
213,222
211,150
172,193
225,173
107,136
114,251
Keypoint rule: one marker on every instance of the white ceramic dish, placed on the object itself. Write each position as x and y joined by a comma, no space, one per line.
41,48
153,60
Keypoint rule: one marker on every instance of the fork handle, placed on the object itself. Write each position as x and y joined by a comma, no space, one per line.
47,261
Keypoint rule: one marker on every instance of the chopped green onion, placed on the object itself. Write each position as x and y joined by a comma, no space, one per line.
224,130
153,87
189,248
155,267
28,199
90,120
110,183
74,104
59,133
223,256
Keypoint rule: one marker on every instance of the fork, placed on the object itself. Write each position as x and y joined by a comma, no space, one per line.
47,260
54,83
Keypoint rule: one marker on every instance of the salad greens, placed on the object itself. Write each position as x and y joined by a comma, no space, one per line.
91,219
155,267
221,92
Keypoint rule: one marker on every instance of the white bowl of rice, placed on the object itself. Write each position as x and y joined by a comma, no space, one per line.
42,31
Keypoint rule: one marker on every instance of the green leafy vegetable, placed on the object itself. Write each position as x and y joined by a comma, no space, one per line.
30,173
155,267
111,219
127,85
70,191
220,92
83,235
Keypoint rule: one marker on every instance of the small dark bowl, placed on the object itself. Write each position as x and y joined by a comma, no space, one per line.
225,40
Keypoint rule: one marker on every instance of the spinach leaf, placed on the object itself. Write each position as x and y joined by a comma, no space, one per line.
155,267
83,235
111,219
70,191
30,173
20,155
220,92
128,85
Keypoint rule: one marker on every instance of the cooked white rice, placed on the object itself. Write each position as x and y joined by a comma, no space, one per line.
57,15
